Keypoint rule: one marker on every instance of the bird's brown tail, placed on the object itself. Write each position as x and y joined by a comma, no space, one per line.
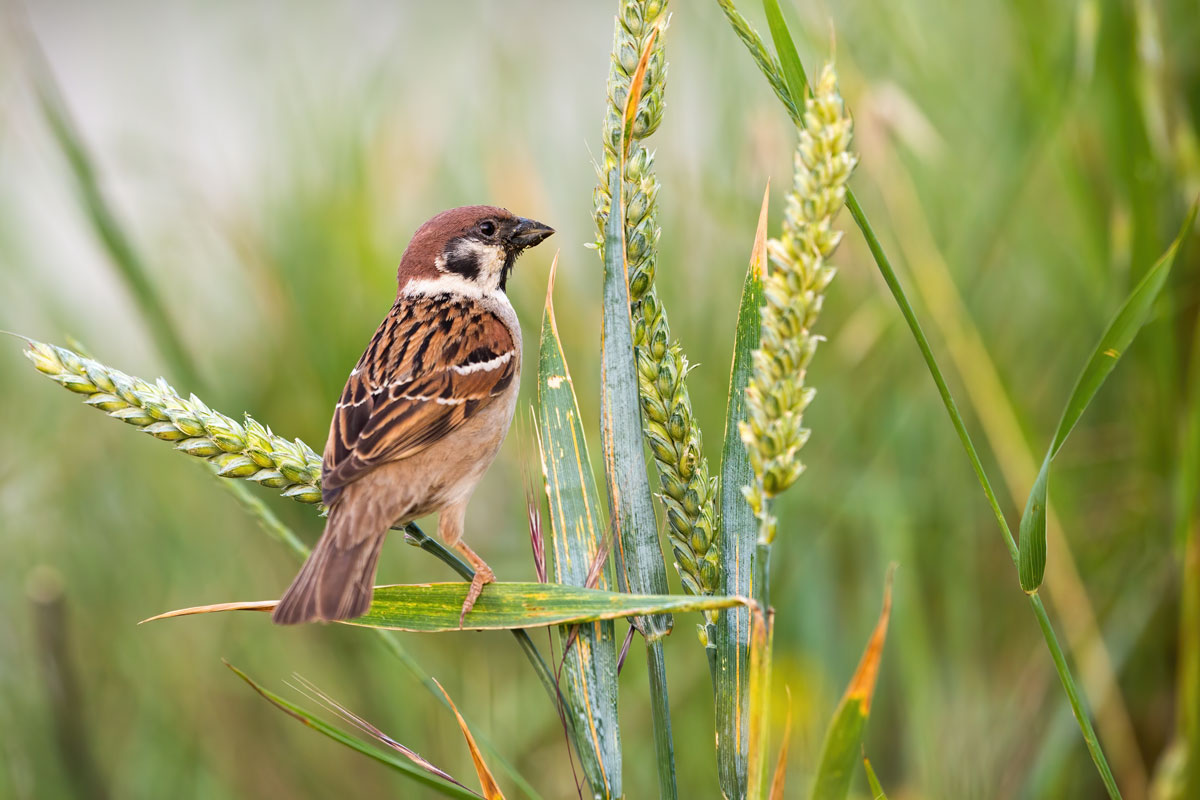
337,580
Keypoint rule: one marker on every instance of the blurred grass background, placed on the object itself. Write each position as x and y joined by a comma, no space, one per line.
1024,163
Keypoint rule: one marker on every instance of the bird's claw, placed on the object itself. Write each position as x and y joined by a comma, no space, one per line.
483,576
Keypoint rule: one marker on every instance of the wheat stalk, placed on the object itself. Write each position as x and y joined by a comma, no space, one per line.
246,450
688,493
794,288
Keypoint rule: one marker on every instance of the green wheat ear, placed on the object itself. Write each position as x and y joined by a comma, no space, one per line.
794,288
246,450
687,491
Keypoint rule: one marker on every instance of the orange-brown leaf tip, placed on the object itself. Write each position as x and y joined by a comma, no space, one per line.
487,781
257,605
862,685
550,285
758,256
635,91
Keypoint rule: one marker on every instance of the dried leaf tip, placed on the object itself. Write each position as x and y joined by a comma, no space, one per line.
794,288
487,781
550,288
758,256
862,685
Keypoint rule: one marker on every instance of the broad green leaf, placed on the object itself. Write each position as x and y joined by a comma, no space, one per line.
1113,344
640,562
738,536
590,663
444,785
872,781
789,59
843,740
431,607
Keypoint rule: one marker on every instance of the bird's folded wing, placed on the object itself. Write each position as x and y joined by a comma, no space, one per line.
432,365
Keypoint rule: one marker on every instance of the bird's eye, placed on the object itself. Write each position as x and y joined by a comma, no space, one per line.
487,228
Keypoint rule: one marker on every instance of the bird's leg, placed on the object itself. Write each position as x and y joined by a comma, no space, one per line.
483,575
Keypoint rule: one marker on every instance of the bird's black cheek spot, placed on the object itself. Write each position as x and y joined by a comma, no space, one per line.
464,264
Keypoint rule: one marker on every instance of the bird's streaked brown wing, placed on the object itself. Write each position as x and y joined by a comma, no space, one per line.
432,364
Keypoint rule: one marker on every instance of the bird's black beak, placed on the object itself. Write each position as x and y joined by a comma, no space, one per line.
527,233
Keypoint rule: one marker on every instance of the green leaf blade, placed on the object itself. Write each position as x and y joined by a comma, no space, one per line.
590,664
877,792
789,58
843,741
738,538
840,752
640,566
1119,335
435,607
1116,339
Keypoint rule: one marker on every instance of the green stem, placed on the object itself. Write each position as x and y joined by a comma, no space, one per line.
910,317
664,745
265,516
761,561
418,538
1074,697
1078,704
762,575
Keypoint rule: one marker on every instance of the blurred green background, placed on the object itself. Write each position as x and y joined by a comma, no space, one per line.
1024,163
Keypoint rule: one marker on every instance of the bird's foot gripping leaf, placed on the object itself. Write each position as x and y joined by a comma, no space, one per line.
483,575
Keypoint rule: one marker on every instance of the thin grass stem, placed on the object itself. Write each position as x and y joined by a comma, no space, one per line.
448,557
664,743
1074,697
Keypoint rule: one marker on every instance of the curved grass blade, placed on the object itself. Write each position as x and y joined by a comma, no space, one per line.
590,662
738,537
429,607
1116,339
843,741
487,781
426,774
789,58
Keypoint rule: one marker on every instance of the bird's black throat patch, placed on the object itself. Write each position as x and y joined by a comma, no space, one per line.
510,258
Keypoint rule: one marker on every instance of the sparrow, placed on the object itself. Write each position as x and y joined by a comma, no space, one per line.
424,411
